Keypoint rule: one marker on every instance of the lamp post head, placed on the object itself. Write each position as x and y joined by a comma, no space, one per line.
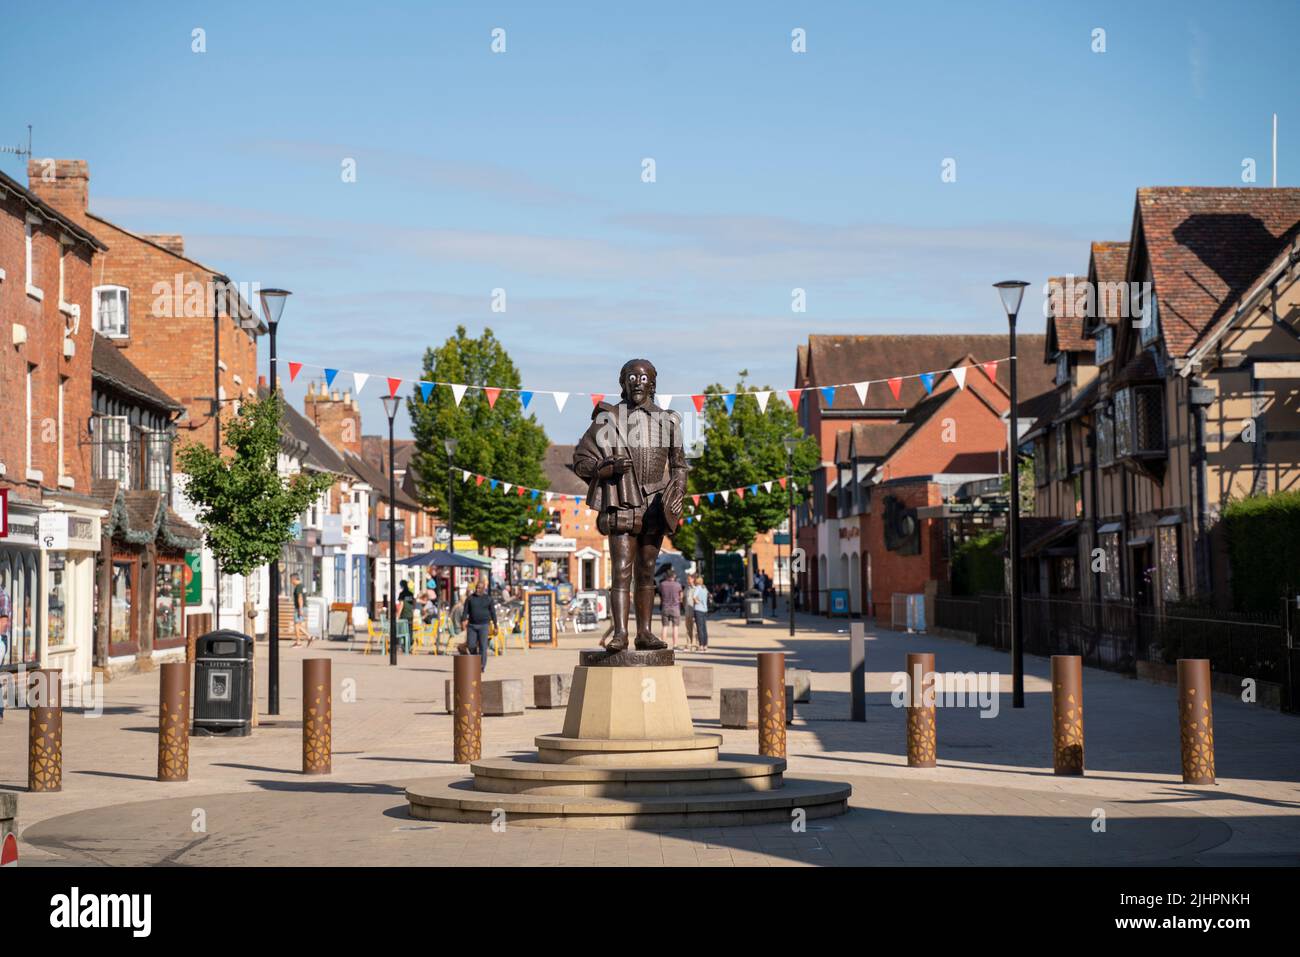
450,445
1011,291
791,442
391,402
273,305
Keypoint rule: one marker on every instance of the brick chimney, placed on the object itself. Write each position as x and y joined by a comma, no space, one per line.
64,184
337,417
168,241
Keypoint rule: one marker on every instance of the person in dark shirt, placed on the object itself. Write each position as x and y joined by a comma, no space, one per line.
479,615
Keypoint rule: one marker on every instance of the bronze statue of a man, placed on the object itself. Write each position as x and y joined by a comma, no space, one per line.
634,462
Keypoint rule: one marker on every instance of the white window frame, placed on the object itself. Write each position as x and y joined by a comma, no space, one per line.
124,332
29,238
28,431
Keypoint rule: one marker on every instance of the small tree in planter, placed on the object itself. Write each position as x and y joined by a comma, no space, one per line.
246,507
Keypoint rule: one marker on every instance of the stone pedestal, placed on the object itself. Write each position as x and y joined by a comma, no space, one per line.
738,708
503,696
628,757
801,680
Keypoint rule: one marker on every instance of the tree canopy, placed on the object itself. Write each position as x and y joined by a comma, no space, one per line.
495,438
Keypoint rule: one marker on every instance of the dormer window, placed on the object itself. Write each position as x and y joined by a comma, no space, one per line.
1150,330
112,315
1105,343
1062,368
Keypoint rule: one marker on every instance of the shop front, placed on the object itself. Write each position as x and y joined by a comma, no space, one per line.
70,542
20,577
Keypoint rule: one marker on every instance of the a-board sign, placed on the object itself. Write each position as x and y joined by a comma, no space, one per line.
539,619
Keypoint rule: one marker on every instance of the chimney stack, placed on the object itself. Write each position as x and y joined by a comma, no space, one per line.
64,184
336,417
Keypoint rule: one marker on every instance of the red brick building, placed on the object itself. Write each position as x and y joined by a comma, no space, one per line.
888,456
52,533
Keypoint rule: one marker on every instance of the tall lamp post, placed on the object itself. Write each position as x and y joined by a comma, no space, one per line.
791,442
450,445
272,307
1012,291
391,403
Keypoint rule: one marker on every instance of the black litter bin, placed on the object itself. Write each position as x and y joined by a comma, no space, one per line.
753,607
223,683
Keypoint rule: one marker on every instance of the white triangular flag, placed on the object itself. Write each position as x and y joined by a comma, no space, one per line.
560,399
762,398
726,495
549,495
663,401
767,486
359,381
507,487
861,389
458,392
959,374
464,475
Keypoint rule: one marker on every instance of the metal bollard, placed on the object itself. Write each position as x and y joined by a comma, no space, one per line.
857,671
1196,720
921,741
45,731
317,716
1067,714
174,721
467,709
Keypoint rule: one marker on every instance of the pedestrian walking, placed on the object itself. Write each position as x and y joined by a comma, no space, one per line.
406,612
700,611
299,611
670,603
687,614
479,615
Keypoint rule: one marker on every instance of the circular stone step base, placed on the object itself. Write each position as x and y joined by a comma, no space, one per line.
628,752
455,800
524,774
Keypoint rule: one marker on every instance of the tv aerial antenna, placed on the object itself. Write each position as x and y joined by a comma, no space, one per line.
18,150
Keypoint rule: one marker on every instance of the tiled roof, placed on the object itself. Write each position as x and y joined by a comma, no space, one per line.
320,454
872,440
377,479
109,365
1042,408
11,185
1207,247
1144,366
837,360
1065,326
558,468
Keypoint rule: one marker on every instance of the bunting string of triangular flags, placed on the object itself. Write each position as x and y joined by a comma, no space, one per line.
696,499
424,388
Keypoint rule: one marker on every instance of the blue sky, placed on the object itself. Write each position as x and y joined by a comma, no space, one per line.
522,170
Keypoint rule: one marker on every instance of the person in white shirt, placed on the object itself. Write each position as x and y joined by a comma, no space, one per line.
700,611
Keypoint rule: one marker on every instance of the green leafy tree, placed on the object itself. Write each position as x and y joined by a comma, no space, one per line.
245,505
740,450
495,439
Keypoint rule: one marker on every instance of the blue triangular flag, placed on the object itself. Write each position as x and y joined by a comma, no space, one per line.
493,483
426,389
730,401
711,494
577,499
828,393
329,376
525,398
536,493
927,380
753,489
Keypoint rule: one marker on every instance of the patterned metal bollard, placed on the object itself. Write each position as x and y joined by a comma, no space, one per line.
317,717
1196,720
174,721
771,704
467,709
45,731
1067,714
921,743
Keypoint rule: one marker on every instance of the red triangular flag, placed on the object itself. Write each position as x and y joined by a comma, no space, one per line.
699,403
782,481
696,500
895,385
520,489
393,386
478,480
795,395
740,492
294,369
990,369
492,396
596,398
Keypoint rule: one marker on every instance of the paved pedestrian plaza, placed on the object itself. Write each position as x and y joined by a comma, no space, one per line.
993,800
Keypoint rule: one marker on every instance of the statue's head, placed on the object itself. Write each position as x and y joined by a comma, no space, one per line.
637,381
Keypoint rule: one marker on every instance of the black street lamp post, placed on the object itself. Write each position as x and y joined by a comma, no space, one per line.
1012,291
391,403
272,307
450,445
790,443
